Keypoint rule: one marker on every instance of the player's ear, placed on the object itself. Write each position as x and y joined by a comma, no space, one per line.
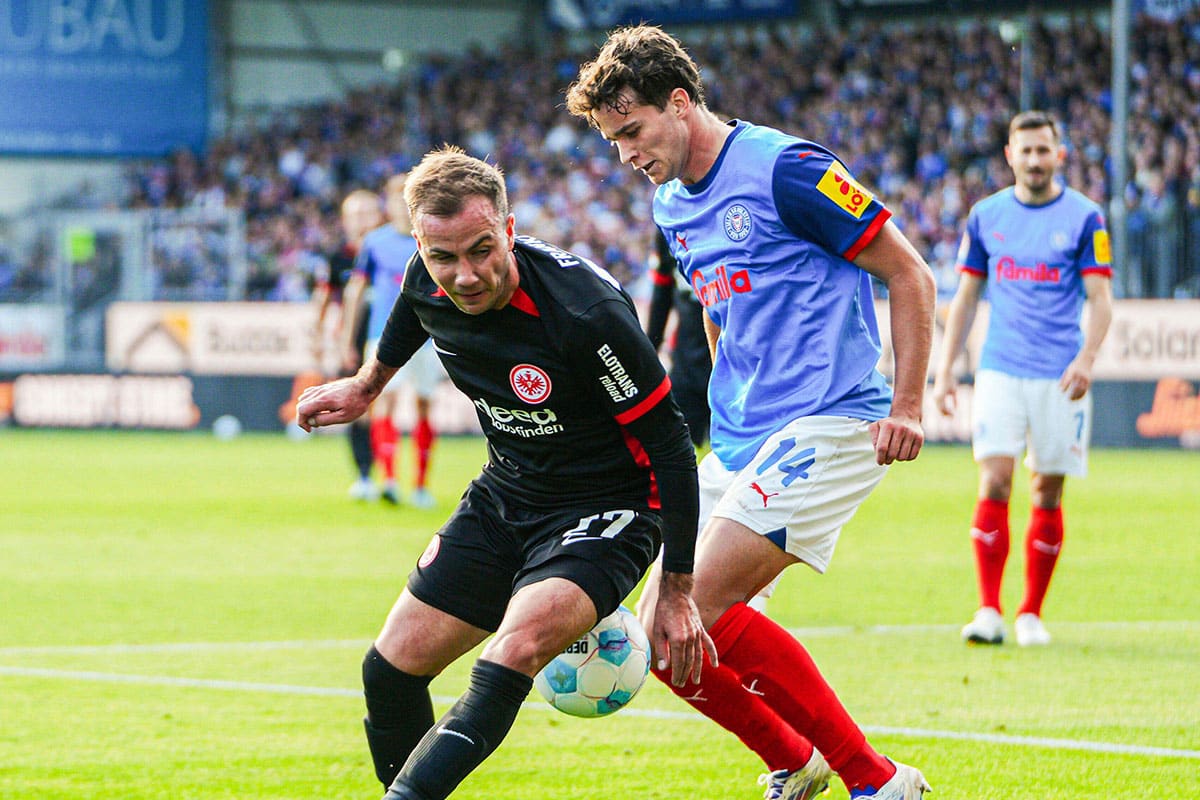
510,226
679,101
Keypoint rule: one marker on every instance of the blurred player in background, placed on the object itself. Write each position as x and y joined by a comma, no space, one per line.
691,363
779,243
361,213
372,290
589,468
1042,251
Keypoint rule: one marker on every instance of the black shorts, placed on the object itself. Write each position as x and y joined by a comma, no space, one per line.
492,546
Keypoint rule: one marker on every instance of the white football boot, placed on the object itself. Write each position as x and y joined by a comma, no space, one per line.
1031,631
803,784
987,627
907,784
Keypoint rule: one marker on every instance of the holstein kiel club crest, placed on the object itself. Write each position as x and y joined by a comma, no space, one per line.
737,222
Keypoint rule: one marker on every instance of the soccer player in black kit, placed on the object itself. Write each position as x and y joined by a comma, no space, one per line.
691,362
589,470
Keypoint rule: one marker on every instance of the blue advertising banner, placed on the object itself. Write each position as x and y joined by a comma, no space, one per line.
582,14
110,78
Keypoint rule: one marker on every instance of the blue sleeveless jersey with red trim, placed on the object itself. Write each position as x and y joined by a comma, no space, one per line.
767,239
1034,259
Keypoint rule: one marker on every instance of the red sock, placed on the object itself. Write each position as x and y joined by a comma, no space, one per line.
721,697
769,660
383,445
423,437
1043,541
989,533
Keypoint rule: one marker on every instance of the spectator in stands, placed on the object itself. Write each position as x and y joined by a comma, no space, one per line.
941,94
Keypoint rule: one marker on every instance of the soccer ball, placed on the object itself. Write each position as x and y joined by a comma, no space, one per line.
602,671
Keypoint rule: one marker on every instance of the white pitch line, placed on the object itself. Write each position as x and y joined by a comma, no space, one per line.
328,644
181,647
333,691
916,628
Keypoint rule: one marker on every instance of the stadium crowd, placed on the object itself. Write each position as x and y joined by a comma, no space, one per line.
918,112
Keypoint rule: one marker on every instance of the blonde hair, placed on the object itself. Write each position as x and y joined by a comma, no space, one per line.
446,177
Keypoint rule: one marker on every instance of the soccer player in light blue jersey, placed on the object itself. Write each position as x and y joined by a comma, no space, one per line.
379,274
1041,250
779,243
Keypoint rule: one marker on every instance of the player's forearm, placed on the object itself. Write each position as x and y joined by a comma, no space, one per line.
911,303
960,318
1099,318
712,331
675,583
352,313
372,377
664,438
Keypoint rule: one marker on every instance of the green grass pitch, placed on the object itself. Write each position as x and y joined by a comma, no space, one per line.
182,617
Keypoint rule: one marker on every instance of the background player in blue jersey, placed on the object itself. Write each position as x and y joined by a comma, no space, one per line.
361,213
589,470
779,243
1041,250
372,291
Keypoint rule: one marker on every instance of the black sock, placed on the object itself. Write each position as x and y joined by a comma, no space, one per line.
399,712
469,732
360,448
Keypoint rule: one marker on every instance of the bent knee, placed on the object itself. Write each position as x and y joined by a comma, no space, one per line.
518,651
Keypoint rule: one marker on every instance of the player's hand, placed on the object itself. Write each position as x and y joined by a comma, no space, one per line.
897,438
331,403
677,635
945,396
1076,379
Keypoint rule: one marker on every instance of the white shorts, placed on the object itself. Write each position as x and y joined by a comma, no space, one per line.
423,372
1013,415
801,487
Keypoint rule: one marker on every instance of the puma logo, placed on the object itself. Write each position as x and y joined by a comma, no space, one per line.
1046,547
987,537
753,688
765,496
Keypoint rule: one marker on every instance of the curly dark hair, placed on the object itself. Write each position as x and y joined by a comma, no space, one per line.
644,59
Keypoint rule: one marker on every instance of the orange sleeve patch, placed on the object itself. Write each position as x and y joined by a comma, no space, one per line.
847,193
1101,246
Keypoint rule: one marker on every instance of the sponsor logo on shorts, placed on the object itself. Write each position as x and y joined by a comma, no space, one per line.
617,383
765,495
525,423
847,193
530,383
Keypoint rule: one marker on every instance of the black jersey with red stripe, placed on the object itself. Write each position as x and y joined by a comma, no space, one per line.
559,377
